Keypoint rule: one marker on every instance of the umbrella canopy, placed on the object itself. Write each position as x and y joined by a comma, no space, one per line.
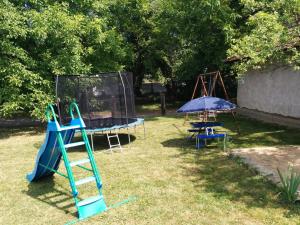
206,103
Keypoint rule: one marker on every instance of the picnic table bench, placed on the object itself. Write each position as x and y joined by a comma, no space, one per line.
204,137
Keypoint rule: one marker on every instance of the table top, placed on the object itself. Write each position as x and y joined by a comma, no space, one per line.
206,124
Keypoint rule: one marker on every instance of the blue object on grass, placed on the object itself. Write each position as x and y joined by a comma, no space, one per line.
55,147
200,139
206,124
57,142
49,154
206,103
200,126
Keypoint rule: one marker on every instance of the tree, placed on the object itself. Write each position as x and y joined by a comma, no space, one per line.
132,20
173,39
201,30
39,41
270,34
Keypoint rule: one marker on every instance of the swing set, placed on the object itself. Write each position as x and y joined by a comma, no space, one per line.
208,83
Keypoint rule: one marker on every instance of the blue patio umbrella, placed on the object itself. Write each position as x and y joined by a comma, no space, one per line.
206,103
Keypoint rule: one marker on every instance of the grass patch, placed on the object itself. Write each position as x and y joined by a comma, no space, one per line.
174,183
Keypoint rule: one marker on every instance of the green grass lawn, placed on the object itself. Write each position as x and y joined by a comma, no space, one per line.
173,182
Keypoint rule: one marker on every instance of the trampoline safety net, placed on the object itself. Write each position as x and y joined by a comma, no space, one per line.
105,100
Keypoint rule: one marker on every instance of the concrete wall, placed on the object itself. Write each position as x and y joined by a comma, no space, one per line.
270,118
275,90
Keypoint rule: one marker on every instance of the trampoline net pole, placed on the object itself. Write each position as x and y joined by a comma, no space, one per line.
125,100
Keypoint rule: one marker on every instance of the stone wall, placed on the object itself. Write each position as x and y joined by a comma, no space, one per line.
274,90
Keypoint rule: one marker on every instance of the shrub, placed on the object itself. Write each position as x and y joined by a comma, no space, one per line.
290,183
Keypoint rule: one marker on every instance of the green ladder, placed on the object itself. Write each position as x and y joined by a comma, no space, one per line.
92,205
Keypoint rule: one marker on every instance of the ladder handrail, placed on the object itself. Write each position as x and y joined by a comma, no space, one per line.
74,107
50,110
71,109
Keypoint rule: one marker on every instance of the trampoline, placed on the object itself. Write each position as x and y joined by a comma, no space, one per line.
106,101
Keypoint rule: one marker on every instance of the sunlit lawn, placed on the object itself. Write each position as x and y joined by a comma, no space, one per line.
173,182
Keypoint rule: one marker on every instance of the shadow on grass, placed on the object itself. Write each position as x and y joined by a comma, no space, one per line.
10,132
211,171
179,142
44,190
257,133
230,179
101,142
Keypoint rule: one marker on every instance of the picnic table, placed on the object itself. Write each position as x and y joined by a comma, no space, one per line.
198,127
206,124
207,128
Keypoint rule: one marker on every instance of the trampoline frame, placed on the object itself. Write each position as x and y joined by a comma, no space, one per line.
93,132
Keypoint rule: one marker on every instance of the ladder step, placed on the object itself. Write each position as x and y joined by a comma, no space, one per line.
117,145
71,127
89,200
74,144
110,136
79,162
85,180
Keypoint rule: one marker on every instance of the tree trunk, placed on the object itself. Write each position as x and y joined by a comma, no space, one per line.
139,73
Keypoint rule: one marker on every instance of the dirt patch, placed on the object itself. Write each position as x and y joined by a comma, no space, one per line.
266,160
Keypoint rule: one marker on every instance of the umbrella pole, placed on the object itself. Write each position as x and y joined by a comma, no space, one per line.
186,118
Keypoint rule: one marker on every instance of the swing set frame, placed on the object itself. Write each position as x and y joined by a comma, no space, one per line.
214,77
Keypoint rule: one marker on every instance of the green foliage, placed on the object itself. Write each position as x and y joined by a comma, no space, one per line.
270,34
40,41
290,183
169,40
203,28
138,23
20,86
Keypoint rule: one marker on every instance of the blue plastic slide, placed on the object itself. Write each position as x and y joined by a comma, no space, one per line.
49,155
